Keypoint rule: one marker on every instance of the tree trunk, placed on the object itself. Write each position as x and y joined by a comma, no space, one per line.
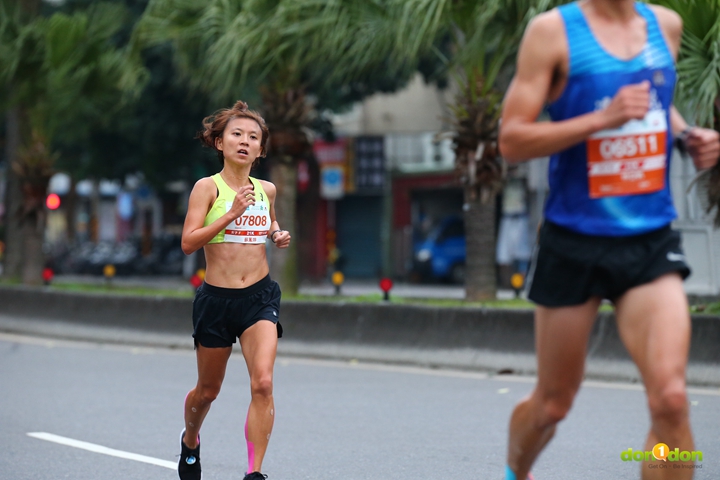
480,275
283,262
12,267
33,232
25,229
286,113
34,170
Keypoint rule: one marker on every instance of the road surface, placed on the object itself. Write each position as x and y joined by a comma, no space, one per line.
335,420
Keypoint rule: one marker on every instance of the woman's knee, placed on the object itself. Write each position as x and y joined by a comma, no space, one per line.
207,393
261,384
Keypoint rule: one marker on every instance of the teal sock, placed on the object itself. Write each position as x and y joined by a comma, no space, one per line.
509,474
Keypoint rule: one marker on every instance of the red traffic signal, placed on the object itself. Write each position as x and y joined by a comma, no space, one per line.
53,201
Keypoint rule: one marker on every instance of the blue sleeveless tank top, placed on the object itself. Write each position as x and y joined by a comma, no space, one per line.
617,182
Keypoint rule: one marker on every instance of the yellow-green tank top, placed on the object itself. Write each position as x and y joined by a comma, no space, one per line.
251,227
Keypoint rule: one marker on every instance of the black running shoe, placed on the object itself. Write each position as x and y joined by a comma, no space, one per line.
255,476
189,463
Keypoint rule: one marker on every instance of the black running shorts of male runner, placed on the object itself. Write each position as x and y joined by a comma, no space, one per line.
569,267
221,315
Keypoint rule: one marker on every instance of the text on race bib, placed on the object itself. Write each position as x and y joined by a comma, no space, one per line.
251,227
629,160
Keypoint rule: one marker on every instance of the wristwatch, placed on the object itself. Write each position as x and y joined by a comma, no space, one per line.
681,141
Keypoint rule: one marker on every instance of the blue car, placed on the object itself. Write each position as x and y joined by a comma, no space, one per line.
441,256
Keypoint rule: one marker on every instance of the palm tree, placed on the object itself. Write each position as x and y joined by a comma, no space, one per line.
226,48
283,51
698,89
483,36
13,33
66,75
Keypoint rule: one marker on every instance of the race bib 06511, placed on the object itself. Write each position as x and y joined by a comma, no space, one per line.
629,160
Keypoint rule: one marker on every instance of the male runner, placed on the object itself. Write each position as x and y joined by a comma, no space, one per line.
605,69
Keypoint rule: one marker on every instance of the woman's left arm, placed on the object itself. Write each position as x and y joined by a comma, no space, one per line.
281,238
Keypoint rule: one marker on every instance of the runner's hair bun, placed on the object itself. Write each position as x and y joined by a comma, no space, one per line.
240,105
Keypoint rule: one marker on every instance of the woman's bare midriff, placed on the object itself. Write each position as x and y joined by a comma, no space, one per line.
234,265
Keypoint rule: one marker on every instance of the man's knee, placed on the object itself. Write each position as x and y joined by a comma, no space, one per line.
555,407
669,404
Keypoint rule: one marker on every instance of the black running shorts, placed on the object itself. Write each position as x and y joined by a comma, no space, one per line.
568,267
221,315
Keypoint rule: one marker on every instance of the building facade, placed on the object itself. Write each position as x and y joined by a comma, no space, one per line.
377,230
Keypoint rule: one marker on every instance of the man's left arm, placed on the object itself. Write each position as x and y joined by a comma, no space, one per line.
702,144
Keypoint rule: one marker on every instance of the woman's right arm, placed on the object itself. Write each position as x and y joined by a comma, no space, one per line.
203,195
194,234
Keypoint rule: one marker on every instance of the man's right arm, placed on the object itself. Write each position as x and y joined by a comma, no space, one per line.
543,52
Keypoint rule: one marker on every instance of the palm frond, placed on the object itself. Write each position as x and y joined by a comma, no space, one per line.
21,53
699,59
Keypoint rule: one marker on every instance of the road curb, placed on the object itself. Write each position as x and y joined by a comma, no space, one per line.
457,337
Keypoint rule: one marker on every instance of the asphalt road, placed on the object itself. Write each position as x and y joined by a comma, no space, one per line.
334,420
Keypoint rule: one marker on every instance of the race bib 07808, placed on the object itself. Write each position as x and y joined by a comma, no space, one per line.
251,227
629,160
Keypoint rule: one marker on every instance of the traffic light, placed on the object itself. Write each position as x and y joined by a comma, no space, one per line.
53,201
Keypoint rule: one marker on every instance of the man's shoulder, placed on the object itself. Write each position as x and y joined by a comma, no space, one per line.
669,20
671,26
546,25
545,39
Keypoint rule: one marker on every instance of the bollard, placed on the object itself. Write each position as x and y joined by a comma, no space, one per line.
337,279
109,272
517,281
47,275
196,281
386,285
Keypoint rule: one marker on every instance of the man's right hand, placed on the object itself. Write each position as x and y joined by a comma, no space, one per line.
631,102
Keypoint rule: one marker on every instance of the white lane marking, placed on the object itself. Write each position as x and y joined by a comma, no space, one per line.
91,447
